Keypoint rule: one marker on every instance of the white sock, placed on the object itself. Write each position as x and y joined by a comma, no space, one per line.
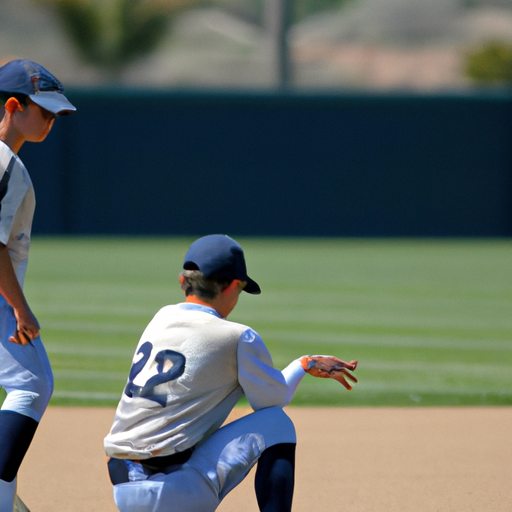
7,493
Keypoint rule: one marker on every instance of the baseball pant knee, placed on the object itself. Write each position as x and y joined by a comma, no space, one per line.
30,403
228,455
27,377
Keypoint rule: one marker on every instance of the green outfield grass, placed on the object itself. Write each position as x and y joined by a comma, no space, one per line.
430,321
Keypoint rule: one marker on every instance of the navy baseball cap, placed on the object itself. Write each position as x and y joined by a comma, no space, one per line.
221,256
23,76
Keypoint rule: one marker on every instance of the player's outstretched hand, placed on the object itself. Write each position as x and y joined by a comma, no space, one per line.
329,367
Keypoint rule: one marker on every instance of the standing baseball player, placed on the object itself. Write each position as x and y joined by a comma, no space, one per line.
32,98
168,449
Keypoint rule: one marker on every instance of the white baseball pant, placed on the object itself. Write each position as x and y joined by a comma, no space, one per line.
215,468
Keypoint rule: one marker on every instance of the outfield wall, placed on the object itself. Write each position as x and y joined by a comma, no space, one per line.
171,163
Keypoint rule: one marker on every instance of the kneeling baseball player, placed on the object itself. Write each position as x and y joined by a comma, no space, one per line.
167,449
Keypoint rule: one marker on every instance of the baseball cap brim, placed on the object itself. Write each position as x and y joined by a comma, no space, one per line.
54,102
252,287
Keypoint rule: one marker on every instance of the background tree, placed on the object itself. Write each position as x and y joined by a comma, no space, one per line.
111,34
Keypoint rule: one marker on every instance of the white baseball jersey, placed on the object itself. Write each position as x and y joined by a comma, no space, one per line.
189,370
17,204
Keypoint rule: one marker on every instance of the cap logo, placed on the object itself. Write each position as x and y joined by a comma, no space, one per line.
42,79
34,80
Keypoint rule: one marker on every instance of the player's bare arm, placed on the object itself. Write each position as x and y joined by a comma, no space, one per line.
27,324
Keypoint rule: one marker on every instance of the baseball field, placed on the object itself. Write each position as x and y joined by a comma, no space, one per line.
429,320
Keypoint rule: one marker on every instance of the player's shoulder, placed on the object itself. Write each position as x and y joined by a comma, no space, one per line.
238,325
166,309
164,312
246,333
6,156
8,159
249,335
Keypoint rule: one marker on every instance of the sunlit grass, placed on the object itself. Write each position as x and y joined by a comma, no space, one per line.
430,321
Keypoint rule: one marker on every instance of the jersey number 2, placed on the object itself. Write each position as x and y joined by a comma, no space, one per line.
170,365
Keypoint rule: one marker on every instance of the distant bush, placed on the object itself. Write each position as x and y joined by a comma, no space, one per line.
490,64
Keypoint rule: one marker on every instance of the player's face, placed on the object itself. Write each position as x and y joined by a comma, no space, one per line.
34,123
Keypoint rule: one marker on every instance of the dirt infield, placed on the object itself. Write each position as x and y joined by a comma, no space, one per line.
358,460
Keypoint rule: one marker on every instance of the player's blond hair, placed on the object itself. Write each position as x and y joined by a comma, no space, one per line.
197,284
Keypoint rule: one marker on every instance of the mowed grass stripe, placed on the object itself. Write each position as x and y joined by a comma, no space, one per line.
314,338
94,326
385,340
429,320
68,397
396,376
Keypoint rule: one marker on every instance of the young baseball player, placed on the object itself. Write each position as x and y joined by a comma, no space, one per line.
168,451
32,98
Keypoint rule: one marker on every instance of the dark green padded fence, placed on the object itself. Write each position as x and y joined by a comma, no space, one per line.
191,163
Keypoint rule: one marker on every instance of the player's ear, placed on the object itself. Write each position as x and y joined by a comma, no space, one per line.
13,104
234,284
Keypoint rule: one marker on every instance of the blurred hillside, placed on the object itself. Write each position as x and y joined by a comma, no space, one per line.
369,44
